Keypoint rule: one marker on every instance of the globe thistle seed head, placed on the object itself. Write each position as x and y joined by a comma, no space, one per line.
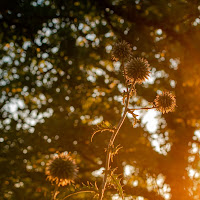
137,70
165,102
121,51
62,169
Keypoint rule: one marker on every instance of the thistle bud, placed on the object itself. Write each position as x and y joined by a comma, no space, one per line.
121,51
165,102
62,169
137,70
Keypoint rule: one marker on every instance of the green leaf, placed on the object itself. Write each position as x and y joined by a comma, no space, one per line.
85,188
115,182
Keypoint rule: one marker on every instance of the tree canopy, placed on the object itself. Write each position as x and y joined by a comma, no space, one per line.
58,81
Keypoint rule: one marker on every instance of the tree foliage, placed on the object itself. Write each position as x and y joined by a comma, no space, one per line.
58,82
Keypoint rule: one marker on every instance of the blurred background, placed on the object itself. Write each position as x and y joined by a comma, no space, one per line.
57,82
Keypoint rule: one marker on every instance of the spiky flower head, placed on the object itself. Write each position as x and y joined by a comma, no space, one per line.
165,102
121,51
137,70
62,169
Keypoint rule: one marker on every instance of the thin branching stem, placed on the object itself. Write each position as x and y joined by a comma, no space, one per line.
55,193
147,108
86,191
124,72
112,139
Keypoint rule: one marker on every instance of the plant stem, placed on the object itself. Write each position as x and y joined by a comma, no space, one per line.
124,72
55,193
86,191
147,108
112,139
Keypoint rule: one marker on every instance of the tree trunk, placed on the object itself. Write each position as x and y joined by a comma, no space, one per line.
175,165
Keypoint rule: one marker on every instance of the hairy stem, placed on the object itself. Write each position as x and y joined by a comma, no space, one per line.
146,108
112,139
55,193
86,191
123,68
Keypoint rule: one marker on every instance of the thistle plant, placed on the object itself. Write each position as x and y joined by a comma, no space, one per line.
62,170
121,51
135,70
166,102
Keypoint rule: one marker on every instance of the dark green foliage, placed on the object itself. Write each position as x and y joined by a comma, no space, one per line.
57,73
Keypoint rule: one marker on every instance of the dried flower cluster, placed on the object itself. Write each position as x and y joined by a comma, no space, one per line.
165,102
62,169
137,70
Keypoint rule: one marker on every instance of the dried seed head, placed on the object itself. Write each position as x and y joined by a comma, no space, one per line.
137,70
166,102
121,51
61,169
